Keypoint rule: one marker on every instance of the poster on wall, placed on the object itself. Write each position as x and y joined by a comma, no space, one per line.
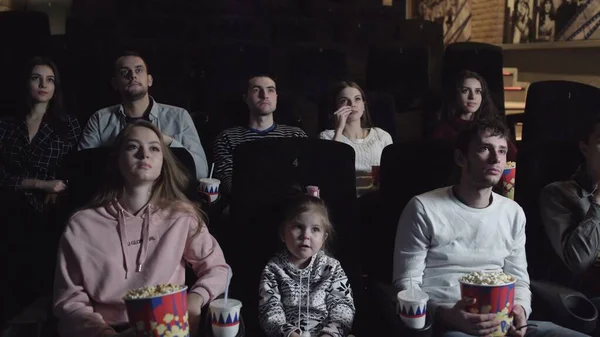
519,24
551,20
453,15
545,29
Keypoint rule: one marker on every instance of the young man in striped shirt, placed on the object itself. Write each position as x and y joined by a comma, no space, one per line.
261,98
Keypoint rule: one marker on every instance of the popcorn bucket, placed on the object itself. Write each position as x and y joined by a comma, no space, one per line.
159,316
495,299
508,180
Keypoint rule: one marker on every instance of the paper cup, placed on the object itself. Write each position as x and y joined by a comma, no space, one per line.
413,309
508,182
159,316
225,317
210,186
497,300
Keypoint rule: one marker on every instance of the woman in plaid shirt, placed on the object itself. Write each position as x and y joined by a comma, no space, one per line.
35,141
33,144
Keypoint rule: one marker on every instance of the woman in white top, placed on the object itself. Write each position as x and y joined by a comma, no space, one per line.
352,124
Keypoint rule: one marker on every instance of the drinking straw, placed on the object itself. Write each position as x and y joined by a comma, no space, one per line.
227,284
412,290
212,168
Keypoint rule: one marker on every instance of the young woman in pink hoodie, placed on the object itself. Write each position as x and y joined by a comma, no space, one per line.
139,231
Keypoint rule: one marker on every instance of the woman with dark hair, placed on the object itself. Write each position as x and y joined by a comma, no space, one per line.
352,126
33,144
139,231
547,25
470,101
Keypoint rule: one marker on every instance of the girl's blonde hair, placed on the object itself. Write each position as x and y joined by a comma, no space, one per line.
307,203
167,190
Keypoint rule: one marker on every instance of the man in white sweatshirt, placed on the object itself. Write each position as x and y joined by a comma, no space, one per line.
446,233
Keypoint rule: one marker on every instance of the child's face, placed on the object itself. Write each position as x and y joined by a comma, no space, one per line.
304,237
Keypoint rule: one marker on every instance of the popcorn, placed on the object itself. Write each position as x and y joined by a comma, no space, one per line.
488,278
511,164
152,291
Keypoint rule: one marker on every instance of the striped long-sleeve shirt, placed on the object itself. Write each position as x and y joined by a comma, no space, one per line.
229,139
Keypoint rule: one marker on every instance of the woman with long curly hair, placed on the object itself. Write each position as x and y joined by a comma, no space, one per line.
470,101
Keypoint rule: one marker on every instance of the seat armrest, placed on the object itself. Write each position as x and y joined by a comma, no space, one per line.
565,306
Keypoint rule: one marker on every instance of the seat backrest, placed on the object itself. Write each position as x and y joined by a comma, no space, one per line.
229,64
186,159
293,31
407,169
296,110
400,70
482,58
556,110
84,171
416,32
234,27
29,24
382,108
537,167
265,170
311,68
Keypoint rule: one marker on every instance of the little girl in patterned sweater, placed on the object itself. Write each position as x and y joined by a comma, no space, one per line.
303,291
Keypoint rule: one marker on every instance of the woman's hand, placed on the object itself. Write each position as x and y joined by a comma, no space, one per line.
341,115
195,303
52,186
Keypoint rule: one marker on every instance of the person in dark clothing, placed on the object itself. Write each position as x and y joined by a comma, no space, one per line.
33,143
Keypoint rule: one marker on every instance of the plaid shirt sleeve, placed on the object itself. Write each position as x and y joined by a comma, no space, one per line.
9,180
74,133
38,160
6,179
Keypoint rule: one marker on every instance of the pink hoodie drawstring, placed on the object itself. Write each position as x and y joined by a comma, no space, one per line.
123,237
145,238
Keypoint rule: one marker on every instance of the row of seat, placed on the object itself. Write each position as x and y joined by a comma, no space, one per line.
255,8
201,77
278,31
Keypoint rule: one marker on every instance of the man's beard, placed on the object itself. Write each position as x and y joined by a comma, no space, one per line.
483,181
136,95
